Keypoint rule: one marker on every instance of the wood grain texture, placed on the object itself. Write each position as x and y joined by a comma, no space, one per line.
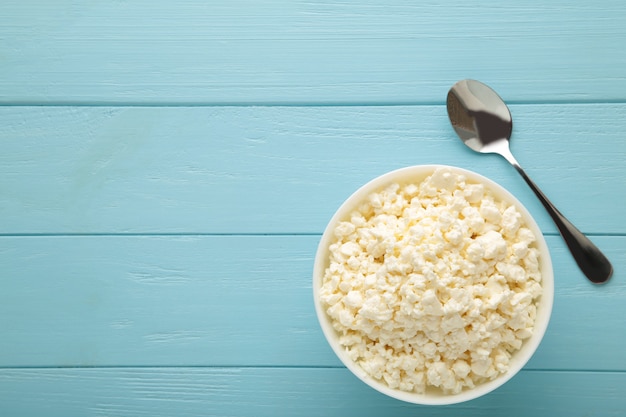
280,169
232,301
286,392
167,168
308,51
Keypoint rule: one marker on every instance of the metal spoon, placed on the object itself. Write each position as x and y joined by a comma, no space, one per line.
483,122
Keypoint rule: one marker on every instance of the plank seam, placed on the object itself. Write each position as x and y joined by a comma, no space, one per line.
243,234
292,104
252,367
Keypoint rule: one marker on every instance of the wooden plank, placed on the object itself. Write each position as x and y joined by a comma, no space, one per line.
232,301
280,169
308,52
285,392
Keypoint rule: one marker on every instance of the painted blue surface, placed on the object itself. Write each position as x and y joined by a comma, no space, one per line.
167,169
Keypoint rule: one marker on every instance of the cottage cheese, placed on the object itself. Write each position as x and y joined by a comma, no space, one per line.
433,284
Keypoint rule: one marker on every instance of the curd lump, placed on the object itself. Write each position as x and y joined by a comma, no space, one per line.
433,284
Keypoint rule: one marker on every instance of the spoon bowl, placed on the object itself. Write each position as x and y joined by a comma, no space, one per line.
483,122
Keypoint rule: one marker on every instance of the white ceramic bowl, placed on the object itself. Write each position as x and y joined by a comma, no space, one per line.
433,396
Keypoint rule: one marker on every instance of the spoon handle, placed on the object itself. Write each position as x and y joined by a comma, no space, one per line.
592,262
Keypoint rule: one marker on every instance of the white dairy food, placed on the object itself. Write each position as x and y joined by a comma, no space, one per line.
432,284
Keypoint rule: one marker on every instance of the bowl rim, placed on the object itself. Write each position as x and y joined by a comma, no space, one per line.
520,358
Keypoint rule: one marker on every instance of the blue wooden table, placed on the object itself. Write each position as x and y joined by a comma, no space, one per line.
167,169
